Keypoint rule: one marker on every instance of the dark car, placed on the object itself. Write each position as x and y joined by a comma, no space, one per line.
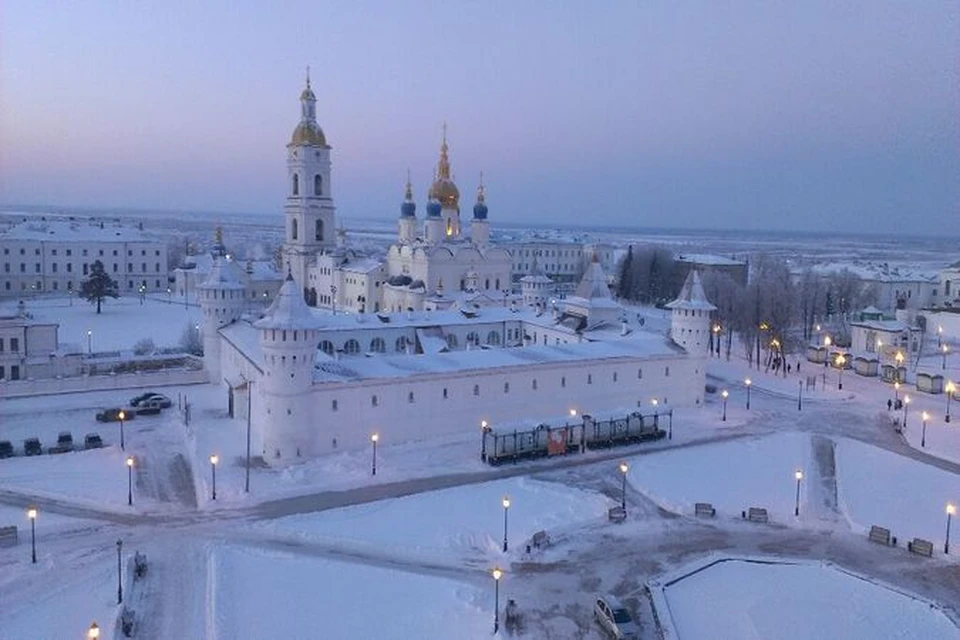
113,415
92,441
136,400
31,447
6,449
64,443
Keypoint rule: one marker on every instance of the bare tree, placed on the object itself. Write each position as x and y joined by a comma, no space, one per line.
727,295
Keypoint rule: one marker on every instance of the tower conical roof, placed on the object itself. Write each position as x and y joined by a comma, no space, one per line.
593,285
692,295
288,310
225,274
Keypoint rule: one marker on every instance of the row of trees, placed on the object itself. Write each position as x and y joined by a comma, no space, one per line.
777,307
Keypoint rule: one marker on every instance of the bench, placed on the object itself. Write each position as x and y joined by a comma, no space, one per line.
617,514
540,540
704,509
921,547
881,536
128,622
756,514
139,565
8,536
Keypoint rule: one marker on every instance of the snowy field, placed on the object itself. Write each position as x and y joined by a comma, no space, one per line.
121,323
273,595
452,525
743,600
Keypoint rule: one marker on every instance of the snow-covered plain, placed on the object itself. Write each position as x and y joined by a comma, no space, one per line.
746,600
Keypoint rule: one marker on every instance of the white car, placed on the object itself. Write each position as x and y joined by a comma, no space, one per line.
614,618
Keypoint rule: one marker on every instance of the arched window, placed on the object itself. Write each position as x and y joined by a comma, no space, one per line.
318,185
473,339
486,284
377,345
451,341
401,344
293,229
352,347
327,347
493,338
296,184
318,231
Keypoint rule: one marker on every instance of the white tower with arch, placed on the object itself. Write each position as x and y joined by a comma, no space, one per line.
222,299
288,339
690,316
309,211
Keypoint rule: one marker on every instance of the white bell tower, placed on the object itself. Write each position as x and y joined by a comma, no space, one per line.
309,212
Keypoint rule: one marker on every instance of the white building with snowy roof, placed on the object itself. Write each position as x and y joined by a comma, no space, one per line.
319,382
55,255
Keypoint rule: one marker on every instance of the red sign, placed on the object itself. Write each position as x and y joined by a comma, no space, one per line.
557,442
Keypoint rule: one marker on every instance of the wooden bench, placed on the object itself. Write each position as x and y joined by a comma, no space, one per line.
921,547
8,536
617,514
756,514
704,509
881,536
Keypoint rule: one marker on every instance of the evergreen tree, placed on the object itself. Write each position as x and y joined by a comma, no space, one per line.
625,281
98,286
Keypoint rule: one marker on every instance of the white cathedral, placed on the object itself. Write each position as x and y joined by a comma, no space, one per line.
408,362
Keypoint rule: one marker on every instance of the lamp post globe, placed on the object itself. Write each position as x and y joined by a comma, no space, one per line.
93,633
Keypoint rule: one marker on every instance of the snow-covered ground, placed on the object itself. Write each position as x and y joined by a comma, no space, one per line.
746,600
120,324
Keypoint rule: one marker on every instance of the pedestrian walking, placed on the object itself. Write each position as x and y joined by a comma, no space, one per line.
889,404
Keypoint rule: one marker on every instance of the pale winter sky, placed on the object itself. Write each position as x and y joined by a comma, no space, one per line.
779,115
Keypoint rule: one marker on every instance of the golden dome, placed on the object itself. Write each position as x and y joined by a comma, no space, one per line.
444,190
308,133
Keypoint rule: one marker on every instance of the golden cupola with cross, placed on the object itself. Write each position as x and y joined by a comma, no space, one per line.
444,192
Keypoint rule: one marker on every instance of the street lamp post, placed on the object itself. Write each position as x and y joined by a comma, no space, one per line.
841,361
906,405
939,336
945,349
506,507
497,574
93,633
130,481
333,297
214,459
896,391
716,338
89,342
799,395
483,440
725,395
798,474
950,511
899,359
121,417
623,486
119,572
923,437
246,482
950,388
32,514
748,382
373,439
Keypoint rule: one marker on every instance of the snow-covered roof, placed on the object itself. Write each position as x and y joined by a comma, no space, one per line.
593,285
73,231
400,366
709,260
288,310
362,265
878,272
886,326
692,295
225,274
260,270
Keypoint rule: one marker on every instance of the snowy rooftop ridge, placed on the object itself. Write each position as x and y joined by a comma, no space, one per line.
593,286
692,295
288,310
73,231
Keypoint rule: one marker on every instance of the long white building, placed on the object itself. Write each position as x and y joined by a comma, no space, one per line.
40,256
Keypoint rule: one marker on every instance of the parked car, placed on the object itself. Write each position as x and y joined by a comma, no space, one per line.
64,443
6,449
113,415
153,405
615,619
147,408
92,441
31,447
136,400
